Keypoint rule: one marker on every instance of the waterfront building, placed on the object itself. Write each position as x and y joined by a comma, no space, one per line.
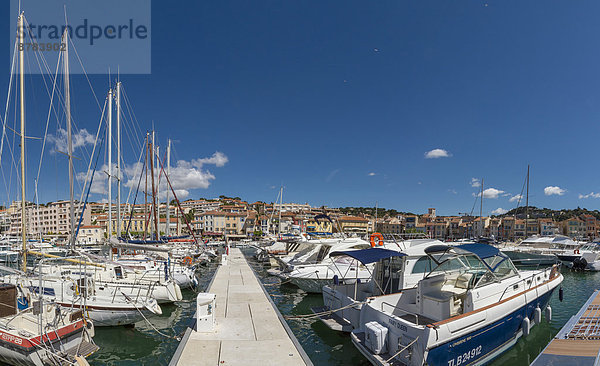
354,225
91,234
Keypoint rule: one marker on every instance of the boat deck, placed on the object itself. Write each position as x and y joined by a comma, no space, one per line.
578,342
249,330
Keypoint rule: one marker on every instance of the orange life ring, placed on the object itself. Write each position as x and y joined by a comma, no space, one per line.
379,241
187,260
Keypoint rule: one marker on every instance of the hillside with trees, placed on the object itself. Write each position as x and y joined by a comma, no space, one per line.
381,212
557,215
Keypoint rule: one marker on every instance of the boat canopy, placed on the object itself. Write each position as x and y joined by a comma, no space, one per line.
489,255
481,250
371,255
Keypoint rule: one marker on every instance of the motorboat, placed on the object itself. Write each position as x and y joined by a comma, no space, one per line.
394,271
542,250
474,305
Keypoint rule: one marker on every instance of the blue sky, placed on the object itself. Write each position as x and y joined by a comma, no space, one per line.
341,101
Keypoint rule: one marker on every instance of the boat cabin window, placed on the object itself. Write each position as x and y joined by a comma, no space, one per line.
118,273
323,252
388,273
423,265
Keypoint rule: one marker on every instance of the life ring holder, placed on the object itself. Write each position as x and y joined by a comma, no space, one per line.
187,261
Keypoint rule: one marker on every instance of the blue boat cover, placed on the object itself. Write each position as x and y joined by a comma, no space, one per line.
366,256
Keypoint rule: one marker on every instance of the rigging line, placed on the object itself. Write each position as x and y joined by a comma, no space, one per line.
473,208
130,132
89,187
85,73
12,73
521,195
5,121
131,187
87,175
138,132
48,119
136,193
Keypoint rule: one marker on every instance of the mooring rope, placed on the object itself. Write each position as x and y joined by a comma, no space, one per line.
319,314
402,350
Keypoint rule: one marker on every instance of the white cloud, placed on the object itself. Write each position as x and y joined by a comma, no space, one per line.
499,211
185,176
490,193
453,191
437,153
218,159
79,139
516,197
589,195
550,190
475,182
372,174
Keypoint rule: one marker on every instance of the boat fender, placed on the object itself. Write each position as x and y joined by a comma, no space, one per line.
537,315
560,294
548,313
336,280
526,325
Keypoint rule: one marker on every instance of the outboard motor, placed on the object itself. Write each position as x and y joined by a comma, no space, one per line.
579,264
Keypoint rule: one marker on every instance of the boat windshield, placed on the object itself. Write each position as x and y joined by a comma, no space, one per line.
456,261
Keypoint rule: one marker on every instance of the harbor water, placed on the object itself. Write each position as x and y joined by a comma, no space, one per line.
143,345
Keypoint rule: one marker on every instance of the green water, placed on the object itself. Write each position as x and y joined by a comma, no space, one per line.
141,345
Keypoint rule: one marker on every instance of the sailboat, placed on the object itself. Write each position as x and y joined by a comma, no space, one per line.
42,333
104,304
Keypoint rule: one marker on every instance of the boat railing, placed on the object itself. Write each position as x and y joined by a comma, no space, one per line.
523,280
395,307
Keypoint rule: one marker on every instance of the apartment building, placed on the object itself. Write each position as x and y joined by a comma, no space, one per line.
574,227
291,207
354,224
51,218
390,226
200,205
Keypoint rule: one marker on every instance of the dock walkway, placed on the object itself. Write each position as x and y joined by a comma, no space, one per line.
578,342
249,328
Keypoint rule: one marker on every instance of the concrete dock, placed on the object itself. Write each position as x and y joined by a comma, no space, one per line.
578,342
249,328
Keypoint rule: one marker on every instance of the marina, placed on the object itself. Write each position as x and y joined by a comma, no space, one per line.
147,147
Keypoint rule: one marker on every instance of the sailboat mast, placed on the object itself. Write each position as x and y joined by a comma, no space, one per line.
146,191
375,226
280,207
153,189
109,146
481,209
157,190
118,159
69,139
21,30
527,202
168,227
